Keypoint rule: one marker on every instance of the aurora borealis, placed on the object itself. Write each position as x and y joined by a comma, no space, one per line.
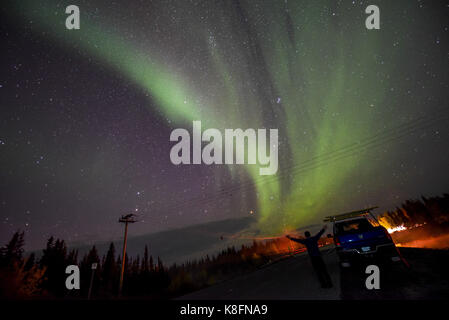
355,108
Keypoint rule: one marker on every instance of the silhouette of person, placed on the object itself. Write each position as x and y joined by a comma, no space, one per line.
311,244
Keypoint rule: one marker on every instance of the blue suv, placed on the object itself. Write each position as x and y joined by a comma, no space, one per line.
358,236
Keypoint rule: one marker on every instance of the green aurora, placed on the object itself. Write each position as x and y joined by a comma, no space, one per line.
294,65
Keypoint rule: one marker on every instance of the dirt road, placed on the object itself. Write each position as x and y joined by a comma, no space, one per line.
293,279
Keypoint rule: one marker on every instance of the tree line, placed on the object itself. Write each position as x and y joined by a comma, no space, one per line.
148,277
427,210
144,276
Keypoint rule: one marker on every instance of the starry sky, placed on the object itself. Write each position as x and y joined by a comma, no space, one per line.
86,115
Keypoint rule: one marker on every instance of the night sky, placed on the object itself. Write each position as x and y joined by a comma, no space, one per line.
86,115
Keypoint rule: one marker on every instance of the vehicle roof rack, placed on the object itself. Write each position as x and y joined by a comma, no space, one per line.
347,215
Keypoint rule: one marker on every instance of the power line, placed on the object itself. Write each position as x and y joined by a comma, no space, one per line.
301,169
346,151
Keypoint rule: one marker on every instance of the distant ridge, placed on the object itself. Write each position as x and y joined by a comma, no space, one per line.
181,244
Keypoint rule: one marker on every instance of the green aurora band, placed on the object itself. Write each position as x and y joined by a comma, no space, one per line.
318,76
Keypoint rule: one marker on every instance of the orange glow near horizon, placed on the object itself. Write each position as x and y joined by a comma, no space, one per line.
441,242
396,229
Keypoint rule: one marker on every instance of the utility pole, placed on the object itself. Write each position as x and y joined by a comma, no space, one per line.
129,218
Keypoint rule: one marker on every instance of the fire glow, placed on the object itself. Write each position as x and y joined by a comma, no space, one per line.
396,229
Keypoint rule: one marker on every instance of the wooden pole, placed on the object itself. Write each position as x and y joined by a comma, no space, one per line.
124,219
123,259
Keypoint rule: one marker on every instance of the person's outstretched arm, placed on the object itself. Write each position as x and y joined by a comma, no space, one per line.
295,239
319,234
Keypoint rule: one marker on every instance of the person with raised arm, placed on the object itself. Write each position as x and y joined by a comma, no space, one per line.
311,244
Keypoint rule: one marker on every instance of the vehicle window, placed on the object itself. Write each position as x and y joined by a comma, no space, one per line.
353,226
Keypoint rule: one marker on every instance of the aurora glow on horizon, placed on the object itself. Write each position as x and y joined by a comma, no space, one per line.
309,68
